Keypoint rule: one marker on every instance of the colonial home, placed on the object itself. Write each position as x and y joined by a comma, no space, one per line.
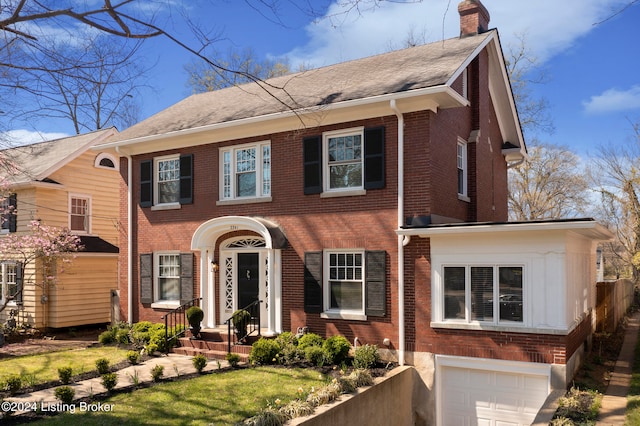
367,199
62,184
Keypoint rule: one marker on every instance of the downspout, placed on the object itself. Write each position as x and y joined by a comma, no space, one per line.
129,239
401,244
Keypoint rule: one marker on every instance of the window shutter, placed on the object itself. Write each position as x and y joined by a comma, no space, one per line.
186,179
375,283
19,282
13,213
146,183
186,277
146,278
374,158
313,282
312,153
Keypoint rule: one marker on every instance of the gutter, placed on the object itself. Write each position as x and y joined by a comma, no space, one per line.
129,238
401,238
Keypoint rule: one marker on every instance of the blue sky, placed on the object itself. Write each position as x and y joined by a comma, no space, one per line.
592,83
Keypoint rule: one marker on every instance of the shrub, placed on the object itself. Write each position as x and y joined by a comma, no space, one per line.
324,395
195,315
199,362
291,353
157,372
102,365
366,356
122,336
109,381
13,384
347,384
361,377
337,348
233,359
107,337
309,339
65,373
286,338
264,351
267,417
317,355
65,394
133,357
296,408
241,320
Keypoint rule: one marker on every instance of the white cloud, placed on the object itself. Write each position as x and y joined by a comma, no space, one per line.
550,26
26,137
613,100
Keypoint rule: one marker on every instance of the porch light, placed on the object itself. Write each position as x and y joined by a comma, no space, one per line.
214,266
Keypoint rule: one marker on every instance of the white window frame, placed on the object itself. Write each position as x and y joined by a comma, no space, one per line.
462,167
156,180
440,313
4,216
102,156
359,131
465,83
158,302
88,214
263,168
355,314
4,283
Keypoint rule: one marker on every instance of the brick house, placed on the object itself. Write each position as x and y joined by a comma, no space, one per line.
368,199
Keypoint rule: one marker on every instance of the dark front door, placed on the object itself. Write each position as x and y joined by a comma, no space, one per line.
248,278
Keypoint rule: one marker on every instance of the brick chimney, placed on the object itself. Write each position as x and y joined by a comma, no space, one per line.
474,17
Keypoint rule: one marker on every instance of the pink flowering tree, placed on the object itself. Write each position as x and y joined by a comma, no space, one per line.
46,244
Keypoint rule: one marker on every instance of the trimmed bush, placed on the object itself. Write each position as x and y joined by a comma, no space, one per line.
199,362
157,372
65,394
317,355
264,351
64,374
286,338
233,359
133,357
13,384
195,315
107,337
102,365
309,339
109,381
122,336
337,348
366,356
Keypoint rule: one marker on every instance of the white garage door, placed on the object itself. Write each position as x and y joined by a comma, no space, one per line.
471,396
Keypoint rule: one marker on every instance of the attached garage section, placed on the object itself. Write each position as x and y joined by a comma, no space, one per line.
486,392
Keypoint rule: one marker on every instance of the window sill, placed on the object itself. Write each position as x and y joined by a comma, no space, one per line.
503,328
344,316
464,198
346,193
165,304
243,201
168,206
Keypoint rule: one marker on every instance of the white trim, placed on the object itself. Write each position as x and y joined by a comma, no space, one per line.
88,213
157,302
156,181
326,266
326,171
462,163
103,155
259,173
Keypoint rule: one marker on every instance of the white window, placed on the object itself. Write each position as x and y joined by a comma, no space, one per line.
9,285
483,293
246,171
462,168
80,214
344,287
7,214
167,277
106,161
167,180
343,160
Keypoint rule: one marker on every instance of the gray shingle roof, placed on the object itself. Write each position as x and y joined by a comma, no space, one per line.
403,70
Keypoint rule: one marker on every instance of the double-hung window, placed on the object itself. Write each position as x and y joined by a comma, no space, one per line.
345,286
483,293
166,182
8,213
167,175
80,214
246,172
344,160
168,286
462,168
9,277
166,279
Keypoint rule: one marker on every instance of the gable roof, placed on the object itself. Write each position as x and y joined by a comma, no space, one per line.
358,89
35,162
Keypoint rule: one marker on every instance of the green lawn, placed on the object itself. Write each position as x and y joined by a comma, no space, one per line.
633,399
212,399
42,368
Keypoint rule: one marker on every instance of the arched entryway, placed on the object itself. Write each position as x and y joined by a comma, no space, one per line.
248,267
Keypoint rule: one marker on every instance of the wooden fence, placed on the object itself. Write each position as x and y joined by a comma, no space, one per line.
613,300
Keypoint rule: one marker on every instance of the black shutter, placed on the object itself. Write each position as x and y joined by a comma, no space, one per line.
146,278
312,152
19,283
374,158
186,179
313,282
146,183
375,283
186,277
12,214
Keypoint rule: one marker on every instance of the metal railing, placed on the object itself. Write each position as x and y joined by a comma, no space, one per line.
245,322
173,319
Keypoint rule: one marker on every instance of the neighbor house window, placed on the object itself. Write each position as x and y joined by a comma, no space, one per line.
345,282
344,160
9,280
246,171
168,277
79,213
106,161
483,293
462,168
8,213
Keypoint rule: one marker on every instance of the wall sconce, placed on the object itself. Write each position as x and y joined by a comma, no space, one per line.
214,266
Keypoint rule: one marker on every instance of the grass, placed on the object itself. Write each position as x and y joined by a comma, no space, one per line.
633,398
218,399
42,368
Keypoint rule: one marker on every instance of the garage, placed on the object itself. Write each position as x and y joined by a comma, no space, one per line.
485,392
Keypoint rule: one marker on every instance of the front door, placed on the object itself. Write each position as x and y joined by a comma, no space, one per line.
248,278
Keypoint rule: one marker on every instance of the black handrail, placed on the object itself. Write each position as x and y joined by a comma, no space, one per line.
245,321
176,317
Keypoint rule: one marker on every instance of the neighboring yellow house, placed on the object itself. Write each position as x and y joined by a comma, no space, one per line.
64,184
